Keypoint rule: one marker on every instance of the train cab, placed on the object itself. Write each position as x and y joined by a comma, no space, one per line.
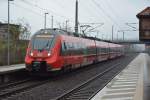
42,52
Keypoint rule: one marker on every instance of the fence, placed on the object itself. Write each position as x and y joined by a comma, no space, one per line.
17,52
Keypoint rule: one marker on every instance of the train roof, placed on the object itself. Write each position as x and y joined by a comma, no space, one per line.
56,31
53,31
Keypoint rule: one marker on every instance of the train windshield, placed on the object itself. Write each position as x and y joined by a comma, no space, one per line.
42,42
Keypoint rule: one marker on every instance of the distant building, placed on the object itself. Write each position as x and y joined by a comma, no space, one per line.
4,30
144,24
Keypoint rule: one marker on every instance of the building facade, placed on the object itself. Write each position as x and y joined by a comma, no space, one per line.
144,24
4,30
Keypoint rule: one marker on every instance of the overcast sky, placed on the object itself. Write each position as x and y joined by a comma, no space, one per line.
109,12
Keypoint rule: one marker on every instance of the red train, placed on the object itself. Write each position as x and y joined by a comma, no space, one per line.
52,50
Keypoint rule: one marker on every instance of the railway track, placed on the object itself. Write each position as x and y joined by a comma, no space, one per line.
84,91
13,83
89,88
20,86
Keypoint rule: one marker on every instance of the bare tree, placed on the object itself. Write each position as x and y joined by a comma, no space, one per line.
25,30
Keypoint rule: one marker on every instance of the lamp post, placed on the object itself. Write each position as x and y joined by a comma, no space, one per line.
123,35
67,24
102,36
52,21
112,33
117,36
45,20
8,34
123,32
76,17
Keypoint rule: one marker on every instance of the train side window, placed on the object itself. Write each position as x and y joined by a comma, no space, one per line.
69,45
63,45
76,46
63,48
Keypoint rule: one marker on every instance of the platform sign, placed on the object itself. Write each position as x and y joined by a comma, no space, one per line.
144,24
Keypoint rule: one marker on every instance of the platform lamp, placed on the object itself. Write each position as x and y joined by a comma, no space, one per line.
8,33
45,20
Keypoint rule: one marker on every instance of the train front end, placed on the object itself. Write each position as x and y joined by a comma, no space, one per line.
41,56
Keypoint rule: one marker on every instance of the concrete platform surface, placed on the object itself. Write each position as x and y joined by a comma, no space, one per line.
128,84
147,79
11,68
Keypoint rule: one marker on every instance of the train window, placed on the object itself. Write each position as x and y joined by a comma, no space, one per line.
76,46
68,45
91,50
104,50
63,48
53,42
98,50
72,45
42,42
79,45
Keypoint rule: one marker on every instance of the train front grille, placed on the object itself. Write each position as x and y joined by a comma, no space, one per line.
39,66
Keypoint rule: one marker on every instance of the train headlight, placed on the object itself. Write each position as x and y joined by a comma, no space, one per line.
49,54
31,53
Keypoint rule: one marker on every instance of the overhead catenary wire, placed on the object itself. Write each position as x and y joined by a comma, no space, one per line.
112,9
94,12
89,7
27,9
30,11
29,3
106,14
49,11
112,12
45,10
34,11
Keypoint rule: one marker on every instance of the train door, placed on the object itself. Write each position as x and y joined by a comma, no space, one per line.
108,51
96,51
64,52
68,54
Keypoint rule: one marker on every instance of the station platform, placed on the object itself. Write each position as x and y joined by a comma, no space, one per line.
130,84
9,73
11,68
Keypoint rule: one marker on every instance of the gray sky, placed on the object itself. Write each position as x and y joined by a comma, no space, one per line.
109,12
